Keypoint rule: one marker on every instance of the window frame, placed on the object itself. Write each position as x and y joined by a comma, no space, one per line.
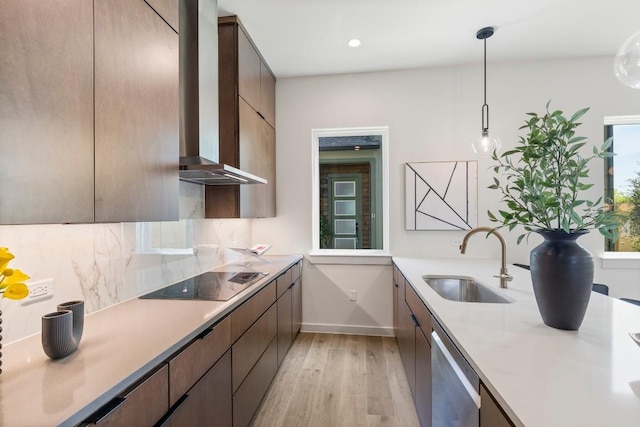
316,134
609,122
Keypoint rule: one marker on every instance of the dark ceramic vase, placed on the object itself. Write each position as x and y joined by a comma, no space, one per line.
62,330
562,276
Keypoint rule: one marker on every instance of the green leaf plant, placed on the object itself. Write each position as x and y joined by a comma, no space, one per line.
542,177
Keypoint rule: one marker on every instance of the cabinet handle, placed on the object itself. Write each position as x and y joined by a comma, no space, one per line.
415,320
179,402
204,333
106,410
166,419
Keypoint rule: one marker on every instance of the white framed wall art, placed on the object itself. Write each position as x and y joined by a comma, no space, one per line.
441,195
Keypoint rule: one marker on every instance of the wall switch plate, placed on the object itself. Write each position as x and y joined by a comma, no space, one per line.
38,291
353,295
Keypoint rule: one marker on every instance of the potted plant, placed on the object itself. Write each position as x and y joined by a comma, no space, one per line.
541,180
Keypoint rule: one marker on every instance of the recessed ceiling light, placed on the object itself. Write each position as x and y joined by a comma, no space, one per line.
354,43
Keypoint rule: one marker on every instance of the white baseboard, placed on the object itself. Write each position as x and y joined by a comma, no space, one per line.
384,331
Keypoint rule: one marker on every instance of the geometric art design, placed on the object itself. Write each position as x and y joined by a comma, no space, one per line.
441,195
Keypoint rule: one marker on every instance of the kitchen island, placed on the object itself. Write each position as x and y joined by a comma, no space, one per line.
120,345
539,375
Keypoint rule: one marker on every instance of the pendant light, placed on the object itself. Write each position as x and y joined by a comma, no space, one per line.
626,65
485,144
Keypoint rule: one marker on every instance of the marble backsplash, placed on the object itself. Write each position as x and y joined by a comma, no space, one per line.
105,264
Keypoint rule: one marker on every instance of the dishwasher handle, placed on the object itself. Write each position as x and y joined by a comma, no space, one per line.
473,392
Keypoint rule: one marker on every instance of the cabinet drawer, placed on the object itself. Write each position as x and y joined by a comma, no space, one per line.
420,311
245,315
296,271
186,368
285,326
208,403
284,282
296,307
250,394
142,405
248,349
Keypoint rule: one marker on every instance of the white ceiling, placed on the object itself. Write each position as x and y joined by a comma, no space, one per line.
309,37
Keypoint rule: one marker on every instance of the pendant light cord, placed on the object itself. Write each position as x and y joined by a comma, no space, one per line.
485,106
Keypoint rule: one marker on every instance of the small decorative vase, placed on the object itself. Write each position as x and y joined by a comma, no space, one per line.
62,330
562,276
77,308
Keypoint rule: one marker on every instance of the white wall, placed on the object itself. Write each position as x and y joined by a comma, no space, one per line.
432,114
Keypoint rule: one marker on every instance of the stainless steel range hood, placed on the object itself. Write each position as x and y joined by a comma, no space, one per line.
199,99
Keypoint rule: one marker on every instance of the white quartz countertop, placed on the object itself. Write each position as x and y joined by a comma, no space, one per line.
540,375
118,346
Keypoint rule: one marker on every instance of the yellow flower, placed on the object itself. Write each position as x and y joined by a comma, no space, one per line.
15,277
16,291
11,280
5,257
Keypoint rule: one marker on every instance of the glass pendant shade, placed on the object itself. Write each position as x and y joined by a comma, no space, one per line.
626,65
485,145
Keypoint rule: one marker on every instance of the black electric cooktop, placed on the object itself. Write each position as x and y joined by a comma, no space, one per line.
209,286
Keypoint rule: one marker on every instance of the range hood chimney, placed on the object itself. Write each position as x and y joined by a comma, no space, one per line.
199,99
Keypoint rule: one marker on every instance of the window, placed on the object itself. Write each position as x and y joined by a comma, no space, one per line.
622,180
350,191
165,238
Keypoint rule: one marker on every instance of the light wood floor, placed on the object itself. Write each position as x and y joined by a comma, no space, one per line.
339,380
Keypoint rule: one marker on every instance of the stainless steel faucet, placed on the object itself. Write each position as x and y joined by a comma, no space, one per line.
504,276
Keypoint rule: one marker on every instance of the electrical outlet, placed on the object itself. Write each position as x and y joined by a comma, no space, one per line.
353,295
38,291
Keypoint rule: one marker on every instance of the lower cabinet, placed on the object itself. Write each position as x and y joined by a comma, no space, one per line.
409,338
296,307
248,397
221,376
250,347
190,364
142,405
289,309
491,414
285,324
412,325
422,394
208,402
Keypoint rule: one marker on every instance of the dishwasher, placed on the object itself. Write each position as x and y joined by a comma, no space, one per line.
455,385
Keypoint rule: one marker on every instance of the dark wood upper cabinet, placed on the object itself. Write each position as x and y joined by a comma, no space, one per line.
267,95
136,113
46,112
89,111
247,126
249,68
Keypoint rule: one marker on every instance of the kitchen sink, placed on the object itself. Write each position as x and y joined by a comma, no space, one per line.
464,289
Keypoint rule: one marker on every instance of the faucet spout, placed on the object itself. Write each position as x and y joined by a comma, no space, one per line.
504,275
